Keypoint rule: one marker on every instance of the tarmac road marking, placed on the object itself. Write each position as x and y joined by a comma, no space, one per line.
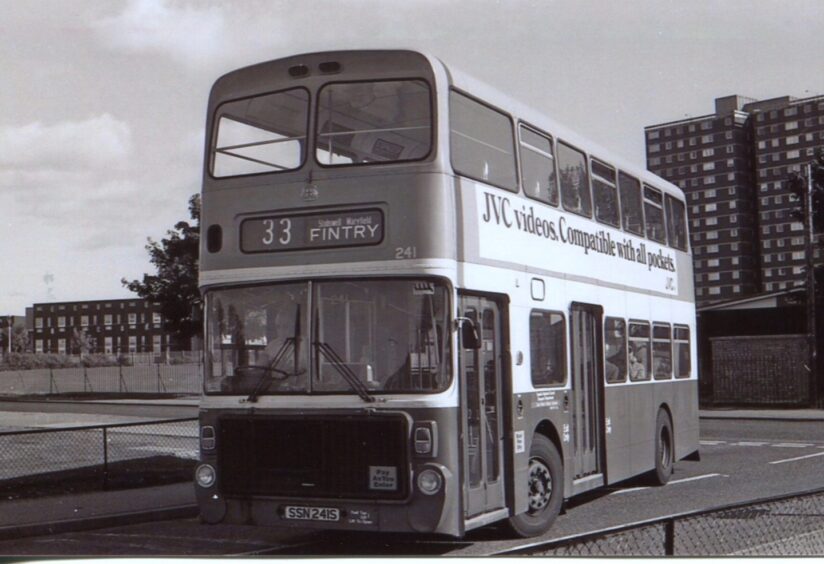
793,445
797,458
672,482
692,479
758,444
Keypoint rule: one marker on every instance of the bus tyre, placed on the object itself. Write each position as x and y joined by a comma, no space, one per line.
545,484
664,449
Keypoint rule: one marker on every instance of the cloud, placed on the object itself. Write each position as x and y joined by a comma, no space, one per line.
70,145
190,34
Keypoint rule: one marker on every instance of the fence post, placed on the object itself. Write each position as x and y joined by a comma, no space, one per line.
86,384
105,458
669,537
51,380
122,384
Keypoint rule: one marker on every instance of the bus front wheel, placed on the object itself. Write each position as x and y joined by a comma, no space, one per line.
545,490
664,449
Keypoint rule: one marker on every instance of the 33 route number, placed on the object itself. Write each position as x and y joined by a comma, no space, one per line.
283,234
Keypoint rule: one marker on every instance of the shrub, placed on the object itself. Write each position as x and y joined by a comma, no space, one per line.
95,360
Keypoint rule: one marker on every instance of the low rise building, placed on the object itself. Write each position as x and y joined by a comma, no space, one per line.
100,326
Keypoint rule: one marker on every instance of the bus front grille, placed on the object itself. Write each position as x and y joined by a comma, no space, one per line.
352,457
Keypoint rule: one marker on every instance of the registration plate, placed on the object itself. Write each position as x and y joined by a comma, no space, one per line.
301,513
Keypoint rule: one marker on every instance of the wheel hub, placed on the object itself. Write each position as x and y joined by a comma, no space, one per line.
540,485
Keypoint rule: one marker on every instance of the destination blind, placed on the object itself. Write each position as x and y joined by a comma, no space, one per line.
289,232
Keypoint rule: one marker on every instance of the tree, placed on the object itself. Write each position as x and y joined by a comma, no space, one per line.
174,286
798,185
81,342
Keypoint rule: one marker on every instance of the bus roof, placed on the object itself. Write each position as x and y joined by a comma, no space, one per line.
400,62
540,120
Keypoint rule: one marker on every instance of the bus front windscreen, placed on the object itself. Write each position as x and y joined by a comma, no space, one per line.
350,337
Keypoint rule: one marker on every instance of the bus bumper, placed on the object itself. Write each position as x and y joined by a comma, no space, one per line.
421,513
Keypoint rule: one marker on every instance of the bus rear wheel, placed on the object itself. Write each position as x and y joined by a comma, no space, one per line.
545,490
664,449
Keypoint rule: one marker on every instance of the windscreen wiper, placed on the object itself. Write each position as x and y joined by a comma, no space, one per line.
270,369
343,369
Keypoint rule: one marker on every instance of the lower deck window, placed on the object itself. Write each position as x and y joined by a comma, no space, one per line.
681,349
615,350
662,351
547,332
639,351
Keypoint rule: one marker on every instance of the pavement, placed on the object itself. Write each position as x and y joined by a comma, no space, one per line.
93,510
771,414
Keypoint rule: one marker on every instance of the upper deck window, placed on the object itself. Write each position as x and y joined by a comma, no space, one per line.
261,134
538,167
373,122
572,168
654,214
482,141
631,213
676,223
605,193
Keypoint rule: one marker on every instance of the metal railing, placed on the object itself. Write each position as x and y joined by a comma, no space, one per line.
788,525
138,379
101,454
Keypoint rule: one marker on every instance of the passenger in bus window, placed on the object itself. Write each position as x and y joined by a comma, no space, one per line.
611,370
637,369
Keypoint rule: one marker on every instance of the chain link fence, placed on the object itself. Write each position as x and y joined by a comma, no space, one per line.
180,379
785,526
52,461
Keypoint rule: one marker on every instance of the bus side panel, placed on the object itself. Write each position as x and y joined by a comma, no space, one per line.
680,397
685,417
641,418
617,433
543,413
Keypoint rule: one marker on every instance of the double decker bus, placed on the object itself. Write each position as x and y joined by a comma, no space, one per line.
428,307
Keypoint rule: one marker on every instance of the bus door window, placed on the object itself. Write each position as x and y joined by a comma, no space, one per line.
473,404
585,328
481,383
639,351
490,354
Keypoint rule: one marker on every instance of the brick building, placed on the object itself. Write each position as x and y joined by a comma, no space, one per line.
732,165
102,326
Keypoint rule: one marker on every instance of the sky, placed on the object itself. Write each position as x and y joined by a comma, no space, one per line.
103,102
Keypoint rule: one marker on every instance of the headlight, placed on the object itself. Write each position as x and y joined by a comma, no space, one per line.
429,482
205,475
